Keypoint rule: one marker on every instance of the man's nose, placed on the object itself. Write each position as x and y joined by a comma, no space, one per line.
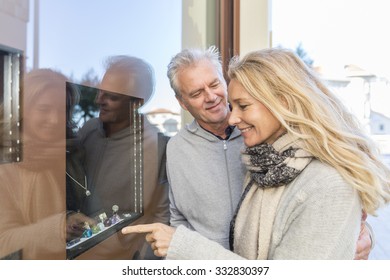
210,95
99,99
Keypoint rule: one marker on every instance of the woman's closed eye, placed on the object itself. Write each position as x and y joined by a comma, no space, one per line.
242,106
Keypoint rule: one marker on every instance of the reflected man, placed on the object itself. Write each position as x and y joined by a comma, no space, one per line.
109,156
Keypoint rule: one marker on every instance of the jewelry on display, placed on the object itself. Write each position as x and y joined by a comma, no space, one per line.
87,232
106,221
73,242
95,229
115,217
102,218
87,192
103,223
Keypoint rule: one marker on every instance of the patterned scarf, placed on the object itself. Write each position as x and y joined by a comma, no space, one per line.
270,169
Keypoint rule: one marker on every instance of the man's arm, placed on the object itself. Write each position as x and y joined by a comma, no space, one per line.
366,241
176,218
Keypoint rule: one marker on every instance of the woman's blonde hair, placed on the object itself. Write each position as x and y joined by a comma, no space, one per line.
307,108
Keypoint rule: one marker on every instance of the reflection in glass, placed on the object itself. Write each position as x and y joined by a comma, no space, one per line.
109,192
32,191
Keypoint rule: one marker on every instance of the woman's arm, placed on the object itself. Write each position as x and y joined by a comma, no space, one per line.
181,243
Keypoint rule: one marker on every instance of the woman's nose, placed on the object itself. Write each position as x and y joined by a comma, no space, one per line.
54,117
234,119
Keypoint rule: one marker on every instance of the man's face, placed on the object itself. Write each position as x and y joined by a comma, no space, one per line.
203,94
113,107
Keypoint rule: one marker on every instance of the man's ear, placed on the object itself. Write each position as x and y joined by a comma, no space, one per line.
182,105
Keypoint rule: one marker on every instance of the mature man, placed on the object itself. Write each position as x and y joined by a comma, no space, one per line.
203,160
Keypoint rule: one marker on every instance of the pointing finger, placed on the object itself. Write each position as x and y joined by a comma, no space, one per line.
139,228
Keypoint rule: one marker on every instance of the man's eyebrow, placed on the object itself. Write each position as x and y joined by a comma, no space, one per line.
110,93
195,90
216,80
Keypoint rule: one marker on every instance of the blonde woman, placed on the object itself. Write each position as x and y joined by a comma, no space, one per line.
311,170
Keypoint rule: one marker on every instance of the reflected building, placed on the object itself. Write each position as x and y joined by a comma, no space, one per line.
165,120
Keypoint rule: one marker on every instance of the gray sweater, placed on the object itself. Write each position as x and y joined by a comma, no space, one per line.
205,176
318,217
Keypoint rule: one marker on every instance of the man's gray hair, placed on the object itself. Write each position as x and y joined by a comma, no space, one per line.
190,57
138,69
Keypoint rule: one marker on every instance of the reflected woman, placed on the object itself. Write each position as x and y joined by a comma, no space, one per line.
32,192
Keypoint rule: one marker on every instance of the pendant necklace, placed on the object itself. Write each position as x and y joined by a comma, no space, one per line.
87,192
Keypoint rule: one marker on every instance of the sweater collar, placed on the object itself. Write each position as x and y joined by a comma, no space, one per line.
195,128
117,135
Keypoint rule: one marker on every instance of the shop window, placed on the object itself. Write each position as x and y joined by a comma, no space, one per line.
10,115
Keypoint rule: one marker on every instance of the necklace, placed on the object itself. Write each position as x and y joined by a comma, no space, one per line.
87,192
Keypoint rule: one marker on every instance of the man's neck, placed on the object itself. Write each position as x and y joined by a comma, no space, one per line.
112,128
218,129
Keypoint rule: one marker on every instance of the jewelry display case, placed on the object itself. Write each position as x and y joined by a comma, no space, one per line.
94,234
104,174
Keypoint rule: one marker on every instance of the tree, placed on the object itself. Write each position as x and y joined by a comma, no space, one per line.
86,107
90,79
300,51
303,55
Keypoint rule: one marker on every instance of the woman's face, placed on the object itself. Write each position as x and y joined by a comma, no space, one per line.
256,123
45,118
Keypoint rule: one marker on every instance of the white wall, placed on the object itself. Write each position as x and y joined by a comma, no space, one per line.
14,15
255,25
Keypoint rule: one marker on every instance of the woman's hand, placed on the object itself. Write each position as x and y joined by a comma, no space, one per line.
159,236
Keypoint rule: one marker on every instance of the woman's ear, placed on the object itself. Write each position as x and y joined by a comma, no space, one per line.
284,101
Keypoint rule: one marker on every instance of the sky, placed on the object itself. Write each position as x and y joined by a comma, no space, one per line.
336,32
76,36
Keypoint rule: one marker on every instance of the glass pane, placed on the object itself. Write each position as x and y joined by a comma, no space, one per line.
10,134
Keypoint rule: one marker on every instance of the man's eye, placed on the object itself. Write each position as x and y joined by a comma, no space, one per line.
195,95
114,98
215,85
